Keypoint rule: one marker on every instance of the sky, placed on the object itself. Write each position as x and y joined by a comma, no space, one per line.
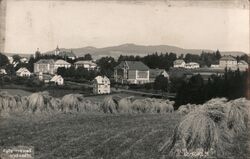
73,24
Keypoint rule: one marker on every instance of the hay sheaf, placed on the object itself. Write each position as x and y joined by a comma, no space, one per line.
89,106
237,115
152,105
200,131
110,104
208,129
125,105
185,109
72,102
8,103
39,102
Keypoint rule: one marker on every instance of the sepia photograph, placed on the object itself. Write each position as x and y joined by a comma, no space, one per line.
124,79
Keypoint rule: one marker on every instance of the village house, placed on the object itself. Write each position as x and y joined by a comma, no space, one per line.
242,65
61,63
153,73
101,85
179,63
131,72
44,66
49,66
45,77
58,80
3,72
192,65
23,72
228,62
24,60
89,65
214,66
48,78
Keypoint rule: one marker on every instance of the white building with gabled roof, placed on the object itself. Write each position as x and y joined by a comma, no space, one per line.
49,66
243,65
192,65
87,64
179,63
61,63
101,85
3,71
57,79
23,72
228,62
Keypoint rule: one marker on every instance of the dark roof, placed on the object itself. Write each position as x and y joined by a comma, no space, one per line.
133,65
45,61
227,58
155,72
243,62
178,62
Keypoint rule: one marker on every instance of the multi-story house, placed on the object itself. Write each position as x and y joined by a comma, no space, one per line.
101,85
131,72
49,66
44,66
228,62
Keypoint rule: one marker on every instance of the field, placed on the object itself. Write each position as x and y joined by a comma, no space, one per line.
77,127
96,135
17,92
90,136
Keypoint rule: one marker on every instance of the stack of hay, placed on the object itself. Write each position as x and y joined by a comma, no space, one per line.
110,104
113,104
8,103
208,130
40,102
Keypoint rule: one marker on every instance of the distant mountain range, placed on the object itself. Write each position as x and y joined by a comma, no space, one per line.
133,49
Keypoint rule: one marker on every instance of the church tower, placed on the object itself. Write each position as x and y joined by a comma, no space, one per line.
57,51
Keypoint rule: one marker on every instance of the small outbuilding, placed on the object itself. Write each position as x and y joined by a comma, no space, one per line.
101,85
179,63
57,79
153,73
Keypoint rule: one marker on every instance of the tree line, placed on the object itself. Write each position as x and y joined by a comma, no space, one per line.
232,85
